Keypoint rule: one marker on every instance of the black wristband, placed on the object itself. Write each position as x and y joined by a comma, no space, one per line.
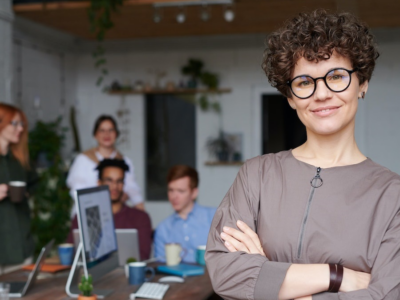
332,276
339,278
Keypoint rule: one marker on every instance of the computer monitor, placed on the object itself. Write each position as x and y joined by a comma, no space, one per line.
97,253
96,223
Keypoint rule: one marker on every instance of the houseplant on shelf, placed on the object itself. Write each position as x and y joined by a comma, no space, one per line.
86,287
219,147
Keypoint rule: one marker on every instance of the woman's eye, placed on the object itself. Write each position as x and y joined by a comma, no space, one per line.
304,83
335,77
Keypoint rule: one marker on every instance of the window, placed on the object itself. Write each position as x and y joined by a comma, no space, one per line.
281,127
170,140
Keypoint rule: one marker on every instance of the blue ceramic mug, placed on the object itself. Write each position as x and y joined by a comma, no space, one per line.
201,251
137,273
66,254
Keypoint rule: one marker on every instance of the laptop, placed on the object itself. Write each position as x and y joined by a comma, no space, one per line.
128,244
19,289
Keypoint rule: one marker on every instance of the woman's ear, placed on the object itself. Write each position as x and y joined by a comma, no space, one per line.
363,89
291,103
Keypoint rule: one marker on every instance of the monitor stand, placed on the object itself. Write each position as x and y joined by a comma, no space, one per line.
97,271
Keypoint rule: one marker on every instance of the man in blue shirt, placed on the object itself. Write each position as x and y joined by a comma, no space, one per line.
190,223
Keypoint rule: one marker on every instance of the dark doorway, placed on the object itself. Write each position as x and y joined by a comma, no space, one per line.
170,140
281,127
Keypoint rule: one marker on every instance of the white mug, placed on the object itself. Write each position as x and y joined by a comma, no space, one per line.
173,254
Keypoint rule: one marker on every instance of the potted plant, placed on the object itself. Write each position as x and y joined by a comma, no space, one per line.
219,147
86,287
128,261
193,69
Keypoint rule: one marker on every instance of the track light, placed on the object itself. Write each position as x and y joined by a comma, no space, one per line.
181,17
229,14
157,15
205,14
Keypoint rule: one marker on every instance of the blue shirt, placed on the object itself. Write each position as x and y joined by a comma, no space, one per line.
189,233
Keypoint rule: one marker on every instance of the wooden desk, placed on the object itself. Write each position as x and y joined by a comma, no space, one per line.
194,288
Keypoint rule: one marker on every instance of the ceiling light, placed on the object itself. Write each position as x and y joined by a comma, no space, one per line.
229,14
181,17
205,14
157,15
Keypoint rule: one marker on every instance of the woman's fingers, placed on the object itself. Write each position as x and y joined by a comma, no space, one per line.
234,244
253,236
243,238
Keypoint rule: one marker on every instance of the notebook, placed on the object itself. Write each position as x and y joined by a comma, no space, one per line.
182,270
50,268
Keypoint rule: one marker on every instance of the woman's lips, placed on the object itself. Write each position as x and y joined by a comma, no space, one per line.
325,111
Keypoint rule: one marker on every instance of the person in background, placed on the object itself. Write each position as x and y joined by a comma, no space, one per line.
83,173
190,223
112,173
16,242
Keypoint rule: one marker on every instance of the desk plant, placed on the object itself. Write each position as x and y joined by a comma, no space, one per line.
86,287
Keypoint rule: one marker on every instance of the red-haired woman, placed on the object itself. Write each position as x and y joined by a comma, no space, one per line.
16,241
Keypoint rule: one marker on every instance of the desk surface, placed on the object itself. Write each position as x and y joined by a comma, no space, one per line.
196,287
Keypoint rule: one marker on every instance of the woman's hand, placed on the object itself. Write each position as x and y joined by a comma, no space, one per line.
354,281
3,191
304,298
245,240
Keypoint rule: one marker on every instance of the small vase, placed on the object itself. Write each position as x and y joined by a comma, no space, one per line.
93,297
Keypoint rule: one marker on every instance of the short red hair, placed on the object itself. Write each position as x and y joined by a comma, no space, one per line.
20,149
181,171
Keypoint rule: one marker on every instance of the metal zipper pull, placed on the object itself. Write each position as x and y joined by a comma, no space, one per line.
317,181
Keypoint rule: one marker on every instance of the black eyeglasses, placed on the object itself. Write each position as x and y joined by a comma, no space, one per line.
337,80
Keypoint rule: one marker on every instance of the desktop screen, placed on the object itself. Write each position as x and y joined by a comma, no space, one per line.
96,222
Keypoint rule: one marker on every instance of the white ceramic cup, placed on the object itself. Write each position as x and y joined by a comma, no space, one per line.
173,254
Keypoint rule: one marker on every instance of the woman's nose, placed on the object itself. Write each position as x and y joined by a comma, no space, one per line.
322,92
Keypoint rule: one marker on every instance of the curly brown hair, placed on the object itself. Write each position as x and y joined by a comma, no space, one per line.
315,36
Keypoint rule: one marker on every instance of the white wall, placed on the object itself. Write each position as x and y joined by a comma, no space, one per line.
237,59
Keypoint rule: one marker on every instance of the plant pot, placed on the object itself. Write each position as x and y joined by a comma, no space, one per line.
93,297
223,155
192,83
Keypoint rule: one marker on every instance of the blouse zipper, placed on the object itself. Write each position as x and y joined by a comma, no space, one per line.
315,182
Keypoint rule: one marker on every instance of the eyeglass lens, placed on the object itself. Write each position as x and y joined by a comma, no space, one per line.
337,80
16,123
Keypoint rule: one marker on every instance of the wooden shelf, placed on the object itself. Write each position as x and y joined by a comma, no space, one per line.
172,92
224,163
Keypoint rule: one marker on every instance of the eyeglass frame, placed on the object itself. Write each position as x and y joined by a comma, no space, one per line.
16,123
289,82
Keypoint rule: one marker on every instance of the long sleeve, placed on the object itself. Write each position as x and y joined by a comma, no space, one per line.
385,274
82,174
131,187
145,231
239,275
159,243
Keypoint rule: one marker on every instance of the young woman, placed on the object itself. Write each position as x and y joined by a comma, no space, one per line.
83,173
321,221
16,240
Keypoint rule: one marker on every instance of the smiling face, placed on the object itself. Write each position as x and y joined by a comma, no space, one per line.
106,134
327,112
114,178
12,132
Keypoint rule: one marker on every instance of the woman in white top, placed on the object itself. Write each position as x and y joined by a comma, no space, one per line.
83,174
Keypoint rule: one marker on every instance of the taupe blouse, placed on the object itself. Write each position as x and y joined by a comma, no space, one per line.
352,219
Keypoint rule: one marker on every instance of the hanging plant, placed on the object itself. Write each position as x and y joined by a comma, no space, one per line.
99,13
